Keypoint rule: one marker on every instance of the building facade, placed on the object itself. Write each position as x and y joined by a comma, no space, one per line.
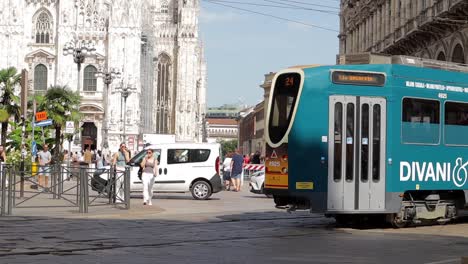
252,130
222,129
153,43
433,29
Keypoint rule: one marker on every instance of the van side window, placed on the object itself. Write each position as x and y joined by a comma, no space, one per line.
199,155
176,156
420,121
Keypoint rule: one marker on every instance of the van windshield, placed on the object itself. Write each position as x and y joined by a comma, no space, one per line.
285,92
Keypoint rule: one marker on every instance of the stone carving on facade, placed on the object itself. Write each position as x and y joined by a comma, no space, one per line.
40,57
41,2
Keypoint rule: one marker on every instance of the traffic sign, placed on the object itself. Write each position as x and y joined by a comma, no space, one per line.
41,116
34,148
44,123
70,127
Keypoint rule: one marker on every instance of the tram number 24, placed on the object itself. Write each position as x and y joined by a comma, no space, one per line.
274,164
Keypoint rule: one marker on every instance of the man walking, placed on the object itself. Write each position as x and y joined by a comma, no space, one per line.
236,170
44,169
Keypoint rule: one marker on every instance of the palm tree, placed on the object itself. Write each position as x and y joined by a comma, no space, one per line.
61,105
9,80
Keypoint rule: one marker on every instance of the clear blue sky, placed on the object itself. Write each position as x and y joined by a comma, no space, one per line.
241,47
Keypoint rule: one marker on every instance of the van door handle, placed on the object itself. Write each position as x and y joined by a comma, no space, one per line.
160,171
165,171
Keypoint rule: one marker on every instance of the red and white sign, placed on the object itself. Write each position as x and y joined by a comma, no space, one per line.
254,167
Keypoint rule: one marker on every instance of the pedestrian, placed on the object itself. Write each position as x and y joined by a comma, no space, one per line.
45,159
227,171
88,156
237,164
255,158
246,159
2,154
150,172
119,160
97,183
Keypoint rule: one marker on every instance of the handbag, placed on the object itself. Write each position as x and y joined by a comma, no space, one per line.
140,173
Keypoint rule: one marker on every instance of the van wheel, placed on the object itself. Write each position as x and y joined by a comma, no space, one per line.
201,190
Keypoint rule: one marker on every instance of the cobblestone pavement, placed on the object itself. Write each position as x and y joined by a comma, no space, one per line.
230,228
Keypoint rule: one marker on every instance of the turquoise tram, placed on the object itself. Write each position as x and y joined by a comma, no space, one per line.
354,141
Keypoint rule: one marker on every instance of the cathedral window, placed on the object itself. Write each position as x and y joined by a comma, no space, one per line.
40,78
163,96
90,80
165,8
43,28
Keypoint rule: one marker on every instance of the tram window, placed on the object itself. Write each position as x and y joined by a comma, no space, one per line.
420,121
284,99
349,142
456,123
376,143
365,143
338,141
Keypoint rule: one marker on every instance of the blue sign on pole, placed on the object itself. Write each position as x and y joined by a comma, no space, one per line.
44,123
34,148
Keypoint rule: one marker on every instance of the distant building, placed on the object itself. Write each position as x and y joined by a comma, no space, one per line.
222,129
432,29
252,129
225,111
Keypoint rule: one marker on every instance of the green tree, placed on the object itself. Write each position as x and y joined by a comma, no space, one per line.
15,136
228,146
9,81
61,105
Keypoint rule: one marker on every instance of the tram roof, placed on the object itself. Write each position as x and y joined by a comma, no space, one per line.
373,58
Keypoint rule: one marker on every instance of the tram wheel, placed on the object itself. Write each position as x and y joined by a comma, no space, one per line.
342,220
398,223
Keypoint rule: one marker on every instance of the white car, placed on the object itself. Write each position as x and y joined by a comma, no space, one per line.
183,167
257,180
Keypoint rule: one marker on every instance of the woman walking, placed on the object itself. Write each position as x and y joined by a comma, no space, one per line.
150,170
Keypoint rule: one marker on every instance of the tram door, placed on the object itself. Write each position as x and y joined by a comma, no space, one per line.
356,171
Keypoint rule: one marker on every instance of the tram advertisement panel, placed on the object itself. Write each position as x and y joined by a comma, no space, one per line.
276,163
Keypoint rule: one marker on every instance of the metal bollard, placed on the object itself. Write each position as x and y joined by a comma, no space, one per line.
127,187
60,182
53,186
78,182
79,191
22,169
114,185
110,183
85,191
11,190
2,172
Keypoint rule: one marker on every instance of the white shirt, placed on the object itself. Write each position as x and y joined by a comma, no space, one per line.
227,164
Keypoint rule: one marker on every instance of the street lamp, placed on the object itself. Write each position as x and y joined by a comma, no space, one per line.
79,50
107,76
125,91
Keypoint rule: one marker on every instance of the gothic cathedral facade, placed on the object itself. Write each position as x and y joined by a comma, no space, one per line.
153,43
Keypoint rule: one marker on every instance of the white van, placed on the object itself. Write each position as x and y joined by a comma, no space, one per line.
183,167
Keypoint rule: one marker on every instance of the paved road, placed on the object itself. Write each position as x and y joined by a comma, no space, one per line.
230,228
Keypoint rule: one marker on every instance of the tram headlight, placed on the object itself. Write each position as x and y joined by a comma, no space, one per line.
284,170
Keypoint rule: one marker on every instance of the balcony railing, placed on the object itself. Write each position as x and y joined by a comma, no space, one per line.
91,95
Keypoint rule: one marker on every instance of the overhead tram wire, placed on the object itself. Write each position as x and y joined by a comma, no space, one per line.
273,16
282,6
291,5
310,4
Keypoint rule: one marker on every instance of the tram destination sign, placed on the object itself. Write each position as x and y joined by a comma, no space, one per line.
358,78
